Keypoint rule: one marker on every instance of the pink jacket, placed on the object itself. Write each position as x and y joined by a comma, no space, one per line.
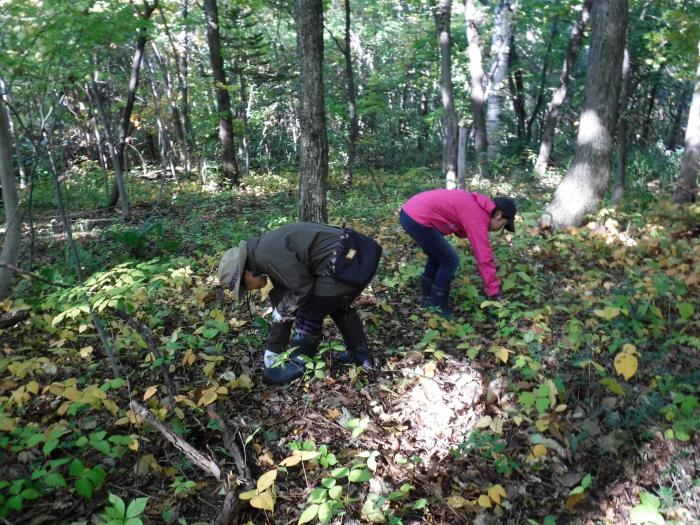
464,214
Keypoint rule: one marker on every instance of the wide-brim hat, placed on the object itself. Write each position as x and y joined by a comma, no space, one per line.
507,207
231,268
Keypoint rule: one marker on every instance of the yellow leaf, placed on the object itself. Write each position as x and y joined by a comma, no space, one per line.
456,502
333,413
608,313
484,422
86,352
189,358
208,398
496,492
501,353
209,369
429,369
290,461
626,364
542,424
134,445
248,495
72,393
144,464
264,501
613,386
110,405
243,381
265,290
629,348
539,450
574,500
32,387
7,424
306,455
63,408
484,501
222,390
266,480
150,391
517,420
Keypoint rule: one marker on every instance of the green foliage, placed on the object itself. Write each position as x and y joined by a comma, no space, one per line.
488,446
119,514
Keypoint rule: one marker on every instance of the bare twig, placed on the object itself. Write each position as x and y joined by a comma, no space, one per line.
34,276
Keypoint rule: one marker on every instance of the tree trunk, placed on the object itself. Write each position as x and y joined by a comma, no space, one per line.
517,90
558,97
352,104
442,15
462,158
687,187
13,216
116,160
313,140
674,129
543,80
500,46
646,124
125,128
587,178
476,75
229,166
621,171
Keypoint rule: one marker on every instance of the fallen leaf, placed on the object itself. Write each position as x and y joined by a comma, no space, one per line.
484,501
496,492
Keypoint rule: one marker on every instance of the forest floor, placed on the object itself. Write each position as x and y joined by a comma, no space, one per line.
574,399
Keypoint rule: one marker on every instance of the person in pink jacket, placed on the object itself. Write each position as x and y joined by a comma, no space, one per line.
431,215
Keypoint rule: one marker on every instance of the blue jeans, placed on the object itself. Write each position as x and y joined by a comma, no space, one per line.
442,258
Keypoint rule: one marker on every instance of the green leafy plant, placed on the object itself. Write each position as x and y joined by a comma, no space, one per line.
119,514
489,446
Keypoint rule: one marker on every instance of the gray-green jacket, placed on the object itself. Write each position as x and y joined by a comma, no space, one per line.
293,257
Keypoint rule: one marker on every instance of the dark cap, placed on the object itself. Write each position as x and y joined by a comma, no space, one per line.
507,207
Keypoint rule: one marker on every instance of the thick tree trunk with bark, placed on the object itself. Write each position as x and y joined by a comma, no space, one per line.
476,75
313,140
675,127
500,49
687,187
587,178
229,166
442,13
621,171
558,97
13,217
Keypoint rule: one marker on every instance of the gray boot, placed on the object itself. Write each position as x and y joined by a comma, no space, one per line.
426,285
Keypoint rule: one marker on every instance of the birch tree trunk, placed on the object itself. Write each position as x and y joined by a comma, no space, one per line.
500,48
13,217
313,140
476,75
687,187
442,14
587,178
229,166
558,97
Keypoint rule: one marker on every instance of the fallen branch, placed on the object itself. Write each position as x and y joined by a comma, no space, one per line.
207,464
14,319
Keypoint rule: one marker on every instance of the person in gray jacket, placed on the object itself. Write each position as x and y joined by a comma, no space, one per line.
300,260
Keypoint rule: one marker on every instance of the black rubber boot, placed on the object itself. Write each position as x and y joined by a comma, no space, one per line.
353,332
441,301
426,285
306,346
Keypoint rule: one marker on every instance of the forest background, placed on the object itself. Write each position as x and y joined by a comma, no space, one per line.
140,139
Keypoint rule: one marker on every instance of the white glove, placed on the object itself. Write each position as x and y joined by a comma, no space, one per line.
270,358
